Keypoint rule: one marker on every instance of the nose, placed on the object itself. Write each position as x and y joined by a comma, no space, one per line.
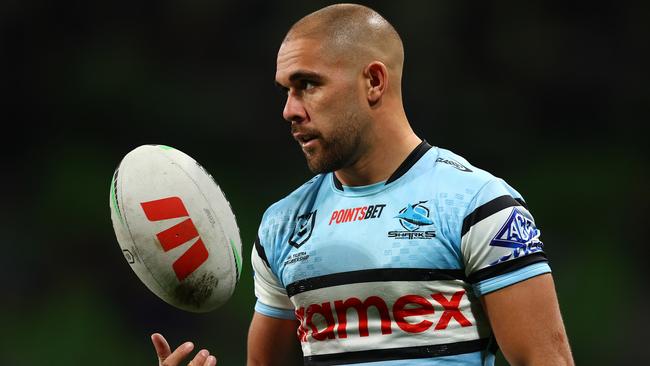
294,110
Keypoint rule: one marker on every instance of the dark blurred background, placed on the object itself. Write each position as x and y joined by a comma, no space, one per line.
553,97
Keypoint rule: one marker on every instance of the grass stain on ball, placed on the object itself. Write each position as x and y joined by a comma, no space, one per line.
194,292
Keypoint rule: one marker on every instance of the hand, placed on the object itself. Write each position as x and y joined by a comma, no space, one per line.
168,358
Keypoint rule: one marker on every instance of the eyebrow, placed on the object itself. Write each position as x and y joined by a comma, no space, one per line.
300,75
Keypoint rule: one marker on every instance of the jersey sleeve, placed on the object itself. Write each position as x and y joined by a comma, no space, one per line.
500,241
272,298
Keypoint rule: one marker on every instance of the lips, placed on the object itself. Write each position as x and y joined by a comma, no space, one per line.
305,138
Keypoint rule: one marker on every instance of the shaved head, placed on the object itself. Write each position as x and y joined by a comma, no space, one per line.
353,33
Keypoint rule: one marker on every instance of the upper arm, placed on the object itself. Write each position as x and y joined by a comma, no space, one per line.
273,341
272,298
506,264
500,241
272,336
527,324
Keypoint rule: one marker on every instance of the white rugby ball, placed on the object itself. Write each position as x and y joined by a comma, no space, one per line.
175,228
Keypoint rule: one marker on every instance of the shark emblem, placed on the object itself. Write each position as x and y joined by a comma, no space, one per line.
413,216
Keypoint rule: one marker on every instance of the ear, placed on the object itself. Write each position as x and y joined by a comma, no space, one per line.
376,75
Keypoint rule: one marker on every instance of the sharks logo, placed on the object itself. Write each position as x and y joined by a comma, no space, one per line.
303,229
519,234
412,218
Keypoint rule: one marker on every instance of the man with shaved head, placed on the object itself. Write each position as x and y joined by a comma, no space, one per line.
396,252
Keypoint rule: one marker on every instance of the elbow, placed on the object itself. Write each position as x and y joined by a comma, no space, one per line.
560,356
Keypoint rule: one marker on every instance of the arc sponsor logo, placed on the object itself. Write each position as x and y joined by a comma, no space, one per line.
518,233
328,320
184,231
356,214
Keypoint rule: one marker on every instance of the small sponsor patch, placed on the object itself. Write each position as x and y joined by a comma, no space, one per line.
454,163
296,257
128,256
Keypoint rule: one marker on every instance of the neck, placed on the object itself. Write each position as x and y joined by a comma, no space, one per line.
387,147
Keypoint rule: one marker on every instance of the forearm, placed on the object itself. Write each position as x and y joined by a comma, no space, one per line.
560,356
273,342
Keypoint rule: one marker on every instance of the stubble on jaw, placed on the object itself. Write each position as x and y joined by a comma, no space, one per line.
338,150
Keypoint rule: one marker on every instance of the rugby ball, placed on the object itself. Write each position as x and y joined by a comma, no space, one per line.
175,227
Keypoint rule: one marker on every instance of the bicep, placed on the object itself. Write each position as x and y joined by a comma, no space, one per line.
273,341
526,321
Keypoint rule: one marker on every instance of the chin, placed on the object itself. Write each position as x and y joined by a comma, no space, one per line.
316,166
320,160
319,166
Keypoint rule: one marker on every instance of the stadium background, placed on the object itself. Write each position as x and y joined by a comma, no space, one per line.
552,97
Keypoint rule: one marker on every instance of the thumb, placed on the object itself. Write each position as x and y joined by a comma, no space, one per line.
162,347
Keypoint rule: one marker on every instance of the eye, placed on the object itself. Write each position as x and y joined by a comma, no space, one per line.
306,84
309,85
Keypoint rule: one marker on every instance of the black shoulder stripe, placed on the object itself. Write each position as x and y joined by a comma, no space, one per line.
404,353
486,210
506,267
522,202
410,160
261,252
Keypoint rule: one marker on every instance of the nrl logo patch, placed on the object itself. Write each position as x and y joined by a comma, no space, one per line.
518,233
412,217
303,229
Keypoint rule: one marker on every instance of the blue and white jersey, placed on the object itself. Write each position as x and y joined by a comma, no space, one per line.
391,273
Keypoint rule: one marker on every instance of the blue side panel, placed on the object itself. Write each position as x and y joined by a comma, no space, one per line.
274,312
499,282
475,358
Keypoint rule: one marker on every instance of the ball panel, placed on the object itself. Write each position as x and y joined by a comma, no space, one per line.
126,241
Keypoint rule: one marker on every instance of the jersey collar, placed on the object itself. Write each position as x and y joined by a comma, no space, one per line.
410,160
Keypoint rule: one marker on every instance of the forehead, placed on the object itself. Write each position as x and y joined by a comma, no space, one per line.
301,54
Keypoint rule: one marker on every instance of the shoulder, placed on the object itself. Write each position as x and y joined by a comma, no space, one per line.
464,193
455,173
454,170
280,217
295,201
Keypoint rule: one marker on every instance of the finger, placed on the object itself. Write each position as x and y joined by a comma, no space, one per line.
210,361
162,347
179,354
200,358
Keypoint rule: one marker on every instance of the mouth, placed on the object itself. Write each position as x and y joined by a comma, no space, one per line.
305,139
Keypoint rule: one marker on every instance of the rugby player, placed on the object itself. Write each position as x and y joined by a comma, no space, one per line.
397,252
